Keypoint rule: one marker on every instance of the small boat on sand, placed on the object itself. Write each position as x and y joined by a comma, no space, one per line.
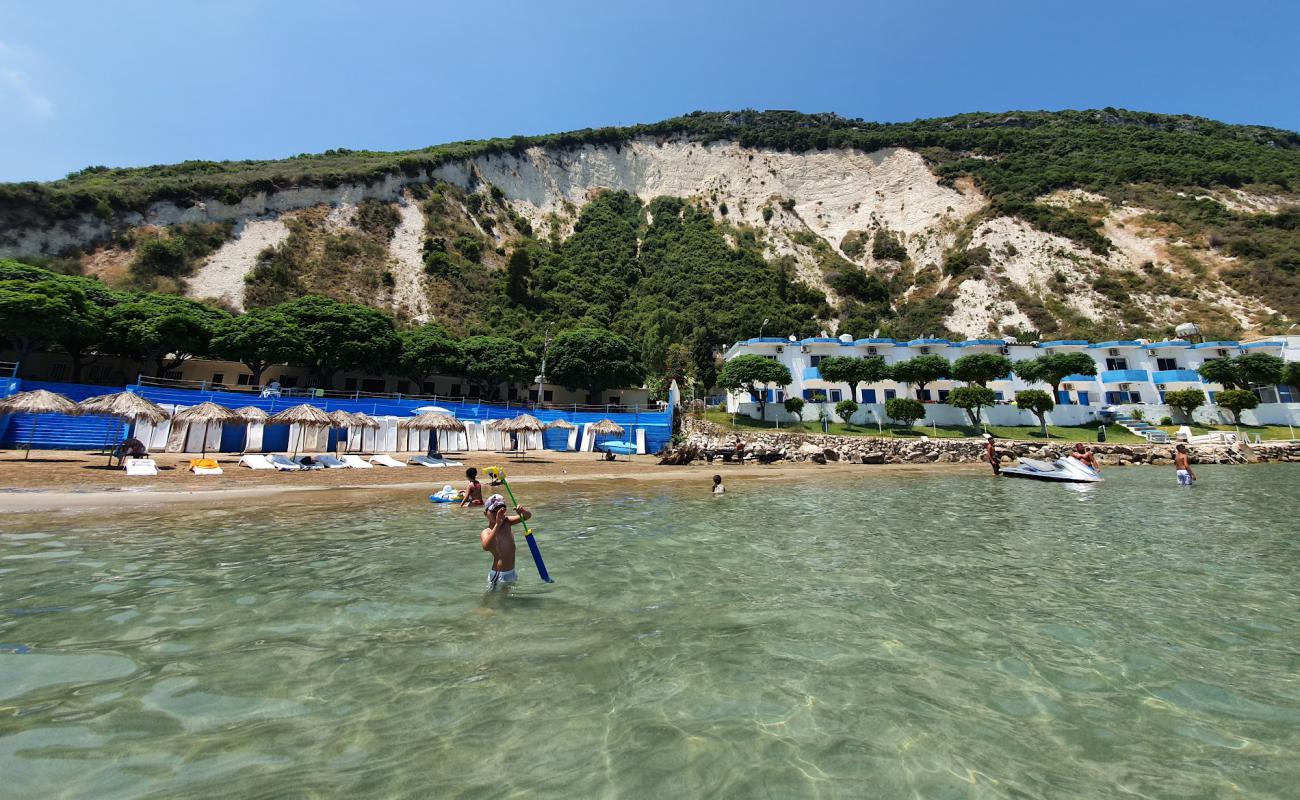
1063,470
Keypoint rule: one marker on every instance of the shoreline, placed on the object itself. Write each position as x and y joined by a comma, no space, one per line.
105,489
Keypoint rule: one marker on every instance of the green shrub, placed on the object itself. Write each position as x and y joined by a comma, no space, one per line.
905,410
887,245
469,247
1166,420
794,405
845,409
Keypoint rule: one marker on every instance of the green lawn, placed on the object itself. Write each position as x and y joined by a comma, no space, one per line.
1086,433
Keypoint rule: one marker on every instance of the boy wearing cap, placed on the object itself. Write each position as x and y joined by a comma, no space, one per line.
499,540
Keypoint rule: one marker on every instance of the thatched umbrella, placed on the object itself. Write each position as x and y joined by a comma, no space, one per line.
562,424
36,402
126,406
304,416
525,424
341,420
361,420
605,427
435,422
207,413
250,415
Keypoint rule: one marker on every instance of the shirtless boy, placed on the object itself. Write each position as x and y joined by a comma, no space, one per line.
1183,466
499,540
473,492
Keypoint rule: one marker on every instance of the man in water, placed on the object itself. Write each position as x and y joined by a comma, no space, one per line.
1085,455
473,492
499,540
1183,466
991,452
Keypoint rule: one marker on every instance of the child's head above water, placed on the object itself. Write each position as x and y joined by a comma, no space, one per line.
472,473
717,479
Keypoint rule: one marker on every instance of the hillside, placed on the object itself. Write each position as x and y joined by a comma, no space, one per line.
1089,224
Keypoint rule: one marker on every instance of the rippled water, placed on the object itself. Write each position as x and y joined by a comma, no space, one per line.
890,636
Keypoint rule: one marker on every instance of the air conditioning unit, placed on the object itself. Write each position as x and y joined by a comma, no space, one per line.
1004,349
1151,352
871,351
1114,351
1124,386
1223,352
803,348
1160,386
925,351
780,348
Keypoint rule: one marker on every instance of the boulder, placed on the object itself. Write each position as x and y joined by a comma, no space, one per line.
874,457
817,458
831,455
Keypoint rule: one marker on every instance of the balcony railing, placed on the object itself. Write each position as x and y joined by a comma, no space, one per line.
812,374
1177,376
1125,376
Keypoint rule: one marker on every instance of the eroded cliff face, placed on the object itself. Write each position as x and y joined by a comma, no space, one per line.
809,206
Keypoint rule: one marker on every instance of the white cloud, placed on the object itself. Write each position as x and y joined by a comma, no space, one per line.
18,93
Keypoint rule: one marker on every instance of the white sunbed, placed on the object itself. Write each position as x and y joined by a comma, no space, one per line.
431,461
140,466
357,462
330,462
255,461
283,463
383,460
198,470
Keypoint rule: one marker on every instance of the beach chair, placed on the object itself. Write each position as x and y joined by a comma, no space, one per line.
308,462
357,462
140,466
432,461
330,462
283,463
205,466
384,460
255,461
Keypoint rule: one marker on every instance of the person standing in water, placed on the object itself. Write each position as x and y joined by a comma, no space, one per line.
499,540
1183,466
991,452
474,491
718,488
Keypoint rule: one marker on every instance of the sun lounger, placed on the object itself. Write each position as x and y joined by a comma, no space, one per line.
283,463
205,466
385,461
330,462
140,466
308,462
432,461
255,461
357,462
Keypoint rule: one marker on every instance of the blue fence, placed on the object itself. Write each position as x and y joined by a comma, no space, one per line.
58,431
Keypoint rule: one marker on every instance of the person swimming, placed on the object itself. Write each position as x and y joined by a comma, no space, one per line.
718,488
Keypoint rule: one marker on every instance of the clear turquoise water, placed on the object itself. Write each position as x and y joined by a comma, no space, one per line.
935,636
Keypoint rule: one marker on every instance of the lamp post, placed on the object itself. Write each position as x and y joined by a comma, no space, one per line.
541,377
761,327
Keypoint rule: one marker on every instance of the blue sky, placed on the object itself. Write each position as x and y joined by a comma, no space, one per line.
130,82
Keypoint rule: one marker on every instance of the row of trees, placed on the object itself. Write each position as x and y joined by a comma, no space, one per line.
40,310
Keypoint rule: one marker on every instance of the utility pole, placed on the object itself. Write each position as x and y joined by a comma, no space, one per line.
541,378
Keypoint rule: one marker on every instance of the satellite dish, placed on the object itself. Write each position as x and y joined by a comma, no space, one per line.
844,337
794,338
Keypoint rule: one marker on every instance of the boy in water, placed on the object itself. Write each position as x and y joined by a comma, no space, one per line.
499,540
473,492
1183,466
991,453
718,488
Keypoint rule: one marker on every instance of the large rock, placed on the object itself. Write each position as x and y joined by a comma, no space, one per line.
874,457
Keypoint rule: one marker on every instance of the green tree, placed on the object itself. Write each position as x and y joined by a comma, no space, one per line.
980,368
493,360
341,336
33,314
1235,401
1185,401
1259,369
595,360
920,371
162,329
794,406
1292,376
1054,368
1038,402
972,400
678,364
753,374
519,273
853,371
845,409
257,339
904,410
430,350
1222,371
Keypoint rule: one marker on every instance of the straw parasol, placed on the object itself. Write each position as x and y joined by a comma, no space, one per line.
341,420
525,424
207,413
436,422
36,402
605,427
250,415
360,420
304,416
126,406
562,424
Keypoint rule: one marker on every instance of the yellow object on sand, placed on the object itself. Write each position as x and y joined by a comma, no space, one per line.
205,466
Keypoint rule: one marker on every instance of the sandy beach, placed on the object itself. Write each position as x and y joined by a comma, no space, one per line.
57,480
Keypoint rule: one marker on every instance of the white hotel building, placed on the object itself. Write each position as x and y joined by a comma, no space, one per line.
1130,374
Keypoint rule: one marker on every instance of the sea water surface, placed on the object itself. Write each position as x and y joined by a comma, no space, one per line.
918,635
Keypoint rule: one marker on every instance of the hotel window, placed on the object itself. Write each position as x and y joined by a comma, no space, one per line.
836,396
943,395
403,387
288,381
218,377
429,387
244,379
475,391
1165,364
1116,363
532,395
349,384
375,385
548,395
890,394
923,395
57,371
455,390
814,361
174,375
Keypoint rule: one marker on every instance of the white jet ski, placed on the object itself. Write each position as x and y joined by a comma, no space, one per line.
1067,470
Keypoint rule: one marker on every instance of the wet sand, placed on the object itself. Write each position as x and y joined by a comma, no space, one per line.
57,480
